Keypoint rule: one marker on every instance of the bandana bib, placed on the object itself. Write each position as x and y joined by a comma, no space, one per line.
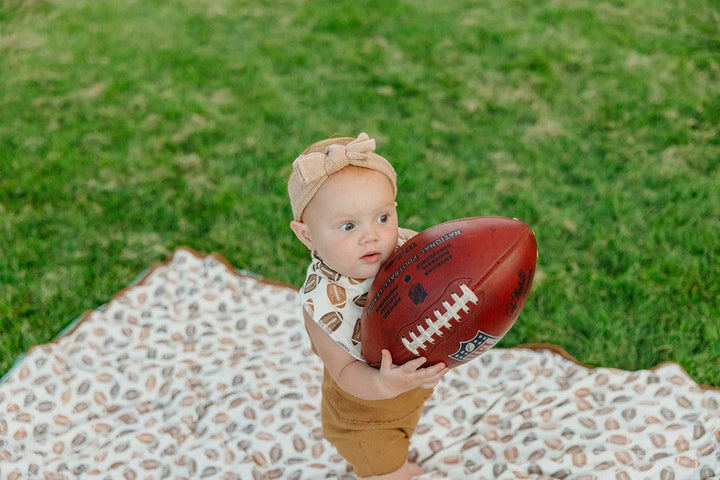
335,302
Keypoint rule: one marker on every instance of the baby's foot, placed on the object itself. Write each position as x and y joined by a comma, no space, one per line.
414,469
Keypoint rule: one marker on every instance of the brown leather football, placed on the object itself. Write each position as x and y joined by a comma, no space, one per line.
450,292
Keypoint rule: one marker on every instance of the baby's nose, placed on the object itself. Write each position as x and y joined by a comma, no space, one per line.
369,235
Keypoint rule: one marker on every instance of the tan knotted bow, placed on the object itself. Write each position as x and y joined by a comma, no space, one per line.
313,166
310,170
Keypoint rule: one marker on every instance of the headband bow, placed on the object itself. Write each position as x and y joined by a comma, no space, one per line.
314,166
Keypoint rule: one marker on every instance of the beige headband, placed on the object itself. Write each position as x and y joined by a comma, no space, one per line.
312,169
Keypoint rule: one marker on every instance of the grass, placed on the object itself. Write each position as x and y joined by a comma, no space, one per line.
130,128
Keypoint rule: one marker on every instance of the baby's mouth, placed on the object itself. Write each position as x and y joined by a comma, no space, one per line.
371,257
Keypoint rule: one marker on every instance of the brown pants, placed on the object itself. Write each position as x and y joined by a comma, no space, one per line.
372,435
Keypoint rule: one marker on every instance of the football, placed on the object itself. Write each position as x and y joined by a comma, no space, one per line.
450,293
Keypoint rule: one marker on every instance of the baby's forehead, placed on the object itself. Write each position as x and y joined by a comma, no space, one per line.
343,195
358,180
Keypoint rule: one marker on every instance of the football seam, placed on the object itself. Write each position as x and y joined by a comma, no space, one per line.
419,340
501,258
452,311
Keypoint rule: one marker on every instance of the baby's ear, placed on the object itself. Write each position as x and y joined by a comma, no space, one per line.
302,232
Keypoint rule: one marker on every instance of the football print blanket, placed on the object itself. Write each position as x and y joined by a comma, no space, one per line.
198,371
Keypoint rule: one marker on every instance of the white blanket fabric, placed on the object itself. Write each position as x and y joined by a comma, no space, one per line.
198,371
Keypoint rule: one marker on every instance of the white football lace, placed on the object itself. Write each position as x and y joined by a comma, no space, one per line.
452,312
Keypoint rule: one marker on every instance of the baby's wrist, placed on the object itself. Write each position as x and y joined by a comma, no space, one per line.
387,387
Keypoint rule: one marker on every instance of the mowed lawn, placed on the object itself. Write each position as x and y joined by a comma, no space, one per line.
130,128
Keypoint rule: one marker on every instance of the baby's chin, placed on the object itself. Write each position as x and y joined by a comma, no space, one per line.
365,272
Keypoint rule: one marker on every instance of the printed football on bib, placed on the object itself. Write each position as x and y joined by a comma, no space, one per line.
451,292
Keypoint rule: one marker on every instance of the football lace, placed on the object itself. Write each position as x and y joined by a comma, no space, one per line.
427,334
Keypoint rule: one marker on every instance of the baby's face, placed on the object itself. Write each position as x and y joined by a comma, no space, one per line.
352,222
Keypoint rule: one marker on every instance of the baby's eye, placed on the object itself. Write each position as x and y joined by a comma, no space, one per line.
346,227
383,218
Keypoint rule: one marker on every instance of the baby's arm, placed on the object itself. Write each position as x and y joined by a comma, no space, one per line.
363,381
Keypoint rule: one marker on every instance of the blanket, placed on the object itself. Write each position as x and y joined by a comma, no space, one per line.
200,371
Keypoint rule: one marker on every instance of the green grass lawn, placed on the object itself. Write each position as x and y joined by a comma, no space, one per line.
130,128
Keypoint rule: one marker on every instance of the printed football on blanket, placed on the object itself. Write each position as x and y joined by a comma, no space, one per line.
451,292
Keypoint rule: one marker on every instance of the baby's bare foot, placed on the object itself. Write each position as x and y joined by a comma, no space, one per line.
414,469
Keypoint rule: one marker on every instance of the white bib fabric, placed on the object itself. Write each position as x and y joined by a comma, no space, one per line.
335,302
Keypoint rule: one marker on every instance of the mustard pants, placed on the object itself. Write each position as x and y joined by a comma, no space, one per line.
372,435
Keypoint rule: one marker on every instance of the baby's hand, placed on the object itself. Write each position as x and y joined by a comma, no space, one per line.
397,379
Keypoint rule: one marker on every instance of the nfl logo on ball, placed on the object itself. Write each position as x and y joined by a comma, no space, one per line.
481,343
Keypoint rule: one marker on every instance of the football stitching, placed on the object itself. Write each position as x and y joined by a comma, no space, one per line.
452,312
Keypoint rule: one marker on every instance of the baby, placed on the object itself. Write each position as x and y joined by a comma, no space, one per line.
343,201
